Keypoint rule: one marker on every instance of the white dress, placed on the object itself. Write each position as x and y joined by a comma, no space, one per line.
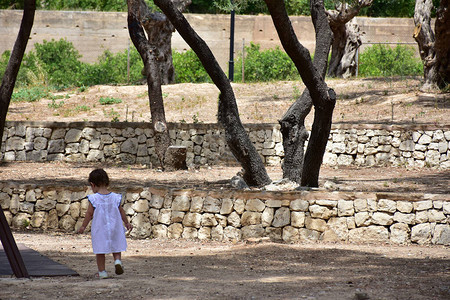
107,230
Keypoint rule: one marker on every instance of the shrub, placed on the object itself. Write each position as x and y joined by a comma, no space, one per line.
188,67
30,94
266,65
382,60
109,100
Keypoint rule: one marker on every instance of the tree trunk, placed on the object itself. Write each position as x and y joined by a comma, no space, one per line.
346,39
228,115
442,30
10,76
424,36
322,97
293,122
151,56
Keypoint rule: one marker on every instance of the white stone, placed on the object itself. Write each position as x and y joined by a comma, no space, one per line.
140,206
255,205
204,233
211,205
250,218
189,233
209,219
441,235
159,231
181,203
360,205
156,201
405,218
315,224
282,217
298,219
381,218
267,217
399,233
239,206
192,220
227,207
404,206
174,231
371,234
336,230
197,204
436,216
252,231
423,205
234,219
362,219
217,233
329,203
421,233
232,234
321,212
345,208
387,205
299,205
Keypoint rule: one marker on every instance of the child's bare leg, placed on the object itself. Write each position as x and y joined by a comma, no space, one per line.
100,262
118,263
117,256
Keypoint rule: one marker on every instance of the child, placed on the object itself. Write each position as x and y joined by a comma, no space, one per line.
107,231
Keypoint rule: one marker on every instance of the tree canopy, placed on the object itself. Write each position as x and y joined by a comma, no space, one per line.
379,8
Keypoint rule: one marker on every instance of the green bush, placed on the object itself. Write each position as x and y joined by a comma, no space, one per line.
109,100
188,67
266,65
30,94
382,60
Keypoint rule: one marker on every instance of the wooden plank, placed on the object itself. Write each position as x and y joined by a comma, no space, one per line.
10,247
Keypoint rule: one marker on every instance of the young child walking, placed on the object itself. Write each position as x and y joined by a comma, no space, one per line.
108,217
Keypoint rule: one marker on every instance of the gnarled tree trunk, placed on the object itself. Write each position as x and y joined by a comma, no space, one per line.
156,53
10,76
346,39
237,139
323,98
442,44
424,36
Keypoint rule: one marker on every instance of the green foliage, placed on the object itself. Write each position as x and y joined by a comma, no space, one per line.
109,100
188,67
30,94
382,60
266,65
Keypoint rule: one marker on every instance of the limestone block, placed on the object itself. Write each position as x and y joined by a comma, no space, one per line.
441,235
345,208
322,212
62,209
45,205
338,148
386,205
227,207
267,217
432,157
174,231
40,143
106,139
127,207
232,234
197,204
405,218
282,217
177,216
181,203
436,216
400,233
308,234
84,148
421,233
129,146
73,136
425,139
336,230
404,206
371,234
5,200
52,221
165,216
360,205
252,231
159,231
381,218
21,220
255,205
141,226
234,219
146,194
315,224
67,223
39,219
438,204
446,208
26,207
204,233
421,217
328,203
290,234
299,205
212,205
298,219
274,234
217,233
273,203
89,133
192,220
208,219
9,156
56,146
15,144
423,205
153,215
75,210
156,201
250,218
95,155
239,206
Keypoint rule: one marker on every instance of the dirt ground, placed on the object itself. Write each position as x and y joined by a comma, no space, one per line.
372,100
183,269
180,269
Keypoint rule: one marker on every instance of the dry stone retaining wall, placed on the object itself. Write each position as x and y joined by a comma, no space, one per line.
129,143
164,213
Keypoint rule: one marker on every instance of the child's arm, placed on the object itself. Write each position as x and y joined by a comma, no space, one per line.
87,218
125,219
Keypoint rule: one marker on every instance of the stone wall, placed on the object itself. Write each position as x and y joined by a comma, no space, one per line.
129,143
299,216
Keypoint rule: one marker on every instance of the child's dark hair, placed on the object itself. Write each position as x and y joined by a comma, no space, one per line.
99,177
